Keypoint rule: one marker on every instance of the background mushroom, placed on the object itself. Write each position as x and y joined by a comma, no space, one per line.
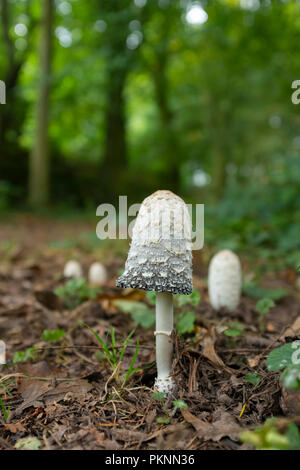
97,274
160,260
73,269
225,280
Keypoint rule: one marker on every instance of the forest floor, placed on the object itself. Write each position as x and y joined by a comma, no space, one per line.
65,394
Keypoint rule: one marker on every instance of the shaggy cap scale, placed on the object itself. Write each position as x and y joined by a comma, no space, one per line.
225,280
160,257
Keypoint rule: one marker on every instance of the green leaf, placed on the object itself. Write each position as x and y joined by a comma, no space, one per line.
257,292
268,437
159,396
76,291
185,323
109,356
290,377
131,369
180,404
163,420
293,436
139,311
151,297
263,306
253,378
281,357
21,356
28,443
52,335
192,299
234,329
5,411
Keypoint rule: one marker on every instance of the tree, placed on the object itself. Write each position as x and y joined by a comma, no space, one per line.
39,158
165,24
119,61
12,115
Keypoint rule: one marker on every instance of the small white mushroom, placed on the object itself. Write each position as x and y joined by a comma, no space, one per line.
97,274
73,269
225,280
160,259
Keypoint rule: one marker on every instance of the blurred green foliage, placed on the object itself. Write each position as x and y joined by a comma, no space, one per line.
157,95
75,291
234,329
24,356
282,357
140,313
185,323
290,377
51,336
253,378
270,437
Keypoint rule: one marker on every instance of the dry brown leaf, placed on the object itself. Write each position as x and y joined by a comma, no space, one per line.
15,427
271,327
48,299
208,348
223,425
290,402
126,435
294,330
37,392
254,360
201,426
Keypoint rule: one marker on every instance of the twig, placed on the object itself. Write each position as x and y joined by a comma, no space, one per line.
88,347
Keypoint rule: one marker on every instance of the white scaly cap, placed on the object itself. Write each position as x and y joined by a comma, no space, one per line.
225,280
73,269
160,257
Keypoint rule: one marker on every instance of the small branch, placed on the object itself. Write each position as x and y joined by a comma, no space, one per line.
89,347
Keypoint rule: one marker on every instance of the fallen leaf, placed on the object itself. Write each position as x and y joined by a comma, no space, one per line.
38,393
28,443
271,327
292,331
224,424
208,347
126,435
14,427
254,360
290,402
48,299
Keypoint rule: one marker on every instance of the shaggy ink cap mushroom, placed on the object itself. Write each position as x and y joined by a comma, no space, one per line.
97,274
160,257
160,260
73,270
225,280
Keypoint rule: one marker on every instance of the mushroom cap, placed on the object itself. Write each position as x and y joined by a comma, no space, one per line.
73,269
225,280
97,273
160,256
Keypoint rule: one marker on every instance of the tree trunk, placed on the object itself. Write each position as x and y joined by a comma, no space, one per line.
171,175
10,77
39,158
115,154
171,150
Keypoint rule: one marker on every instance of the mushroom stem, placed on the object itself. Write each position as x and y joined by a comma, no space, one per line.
164,346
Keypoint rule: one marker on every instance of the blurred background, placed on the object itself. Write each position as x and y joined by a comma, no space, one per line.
124,97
